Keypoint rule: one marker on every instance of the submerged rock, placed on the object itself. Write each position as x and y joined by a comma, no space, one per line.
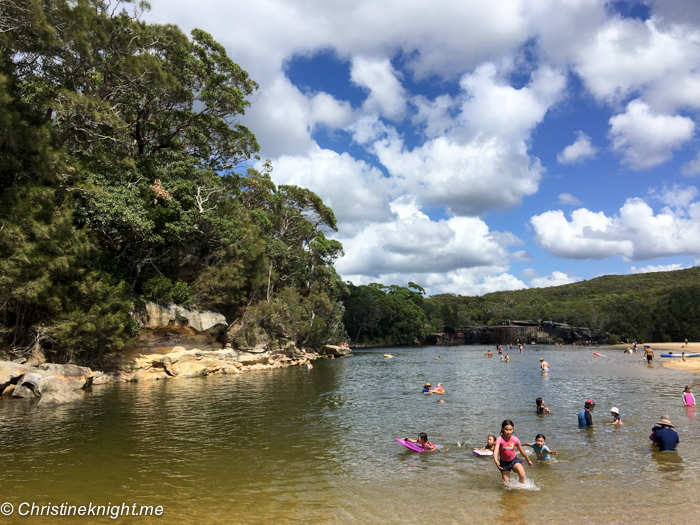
190,369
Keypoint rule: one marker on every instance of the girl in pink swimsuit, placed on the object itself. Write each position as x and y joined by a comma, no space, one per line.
688,397
505,456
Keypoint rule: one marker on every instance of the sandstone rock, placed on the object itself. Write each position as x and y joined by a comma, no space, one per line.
76,377
336,351
28,385
230,370
55,391
153,316
191,369
102,379
7,392
10,373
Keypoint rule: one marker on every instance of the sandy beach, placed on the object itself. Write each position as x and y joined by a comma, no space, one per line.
691,365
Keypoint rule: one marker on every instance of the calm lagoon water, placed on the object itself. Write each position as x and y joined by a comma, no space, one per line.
316,446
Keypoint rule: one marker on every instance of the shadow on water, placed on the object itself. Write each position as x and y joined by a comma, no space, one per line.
669,462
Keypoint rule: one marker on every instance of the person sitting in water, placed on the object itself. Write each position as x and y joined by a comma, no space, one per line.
544,365
506,358
615,412
426,388
665,437
539,404
423,442
490,444
438,389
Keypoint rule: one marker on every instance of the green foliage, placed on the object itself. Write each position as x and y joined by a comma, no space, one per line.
120,154
651,307
386,314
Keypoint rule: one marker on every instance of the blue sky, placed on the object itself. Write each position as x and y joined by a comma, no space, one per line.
479,146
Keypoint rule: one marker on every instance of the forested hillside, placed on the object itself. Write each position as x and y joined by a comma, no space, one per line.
125,175
662,306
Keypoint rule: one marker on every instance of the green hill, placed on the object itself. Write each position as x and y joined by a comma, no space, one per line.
661,306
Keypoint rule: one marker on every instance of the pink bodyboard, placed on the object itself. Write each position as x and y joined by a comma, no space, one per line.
415,447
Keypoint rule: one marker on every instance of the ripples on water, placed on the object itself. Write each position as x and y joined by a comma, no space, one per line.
294,445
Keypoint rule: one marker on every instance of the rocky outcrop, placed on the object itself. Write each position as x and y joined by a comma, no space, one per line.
51,383
163,328
183,363
336,351
10,373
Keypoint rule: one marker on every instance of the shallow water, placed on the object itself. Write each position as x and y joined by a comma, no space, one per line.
316,446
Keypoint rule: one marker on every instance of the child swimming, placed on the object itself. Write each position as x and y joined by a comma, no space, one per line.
688,397
490,444
541,450
423,442
539,404
505,456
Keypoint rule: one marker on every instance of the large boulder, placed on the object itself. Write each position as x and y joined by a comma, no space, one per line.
191,369
54,390
10,373
28,386
74,376
336,351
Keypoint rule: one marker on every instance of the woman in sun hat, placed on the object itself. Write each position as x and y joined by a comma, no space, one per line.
666,438
426,388
615,412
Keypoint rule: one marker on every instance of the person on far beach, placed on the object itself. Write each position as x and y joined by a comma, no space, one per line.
615,413
505,453
665,437
584,416
688,397
544,365
648,353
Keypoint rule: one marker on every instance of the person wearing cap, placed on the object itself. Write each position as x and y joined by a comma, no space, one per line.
665,438
426,388
584,416
615,412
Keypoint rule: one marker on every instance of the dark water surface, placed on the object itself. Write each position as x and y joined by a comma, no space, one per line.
316,446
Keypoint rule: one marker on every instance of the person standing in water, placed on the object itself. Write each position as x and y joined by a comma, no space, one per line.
584,416
648,353
544,365
688,397
505,453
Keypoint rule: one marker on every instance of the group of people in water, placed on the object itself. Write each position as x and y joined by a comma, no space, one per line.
504,448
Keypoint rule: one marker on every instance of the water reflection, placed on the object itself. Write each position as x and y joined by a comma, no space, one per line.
292,445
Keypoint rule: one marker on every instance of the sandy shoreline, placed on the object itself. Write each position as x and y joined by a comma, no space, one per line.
691,365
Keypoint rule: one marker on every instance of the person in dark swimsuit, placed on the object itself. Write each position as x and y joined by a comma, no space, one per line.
648,353
541,409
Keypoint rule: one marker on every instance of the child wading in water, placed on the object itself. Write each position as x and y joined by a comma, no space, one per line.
541,409
505,456
423,441
541,450
688,397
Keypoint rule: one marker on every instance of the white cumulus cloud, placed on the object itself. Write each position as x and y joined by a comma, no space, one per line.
645,139
579,151
556,278
635,233
568,199
659,268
